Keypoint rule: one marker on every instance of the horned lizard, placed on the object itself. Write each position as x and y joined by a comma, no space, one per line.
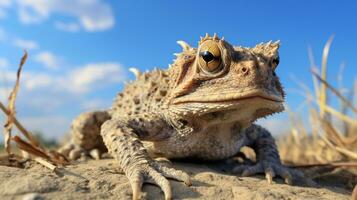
202,107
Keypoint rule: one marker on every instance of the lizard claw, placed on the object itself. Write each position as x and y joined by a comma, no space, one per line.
155,173
271,170
74,152
71,151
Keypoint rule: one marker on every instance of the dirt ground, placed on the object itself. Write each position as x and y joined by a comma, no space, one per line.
101,179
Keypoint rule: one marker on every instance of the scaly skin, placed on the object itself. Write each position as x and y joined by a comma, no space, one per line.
202,107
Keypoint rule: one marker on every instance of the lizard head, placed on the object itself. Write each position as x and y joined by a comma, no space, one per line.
231,82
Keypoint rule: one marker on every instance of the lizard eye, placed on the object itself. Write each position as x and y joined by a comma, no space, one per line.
210,57
207,56
275,62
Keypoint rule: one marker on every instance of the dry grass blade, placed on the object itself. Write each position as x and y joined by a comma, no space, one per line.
313,65
23,145
313,116
52,156
11,107
340,115
46,163
58,158
40,156
32,147
344,151
333,133
22,129
323,91
333,164
350,140
335,91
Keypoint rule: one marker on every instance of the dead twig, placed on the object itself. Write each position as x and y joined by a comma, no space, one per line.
39,154
25,146
11,107
332,164
323,92
335,91
45,163
343,151
52,156
21,128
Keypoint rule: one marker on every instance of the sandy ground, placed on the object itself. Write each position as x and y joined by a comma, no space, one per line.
101,180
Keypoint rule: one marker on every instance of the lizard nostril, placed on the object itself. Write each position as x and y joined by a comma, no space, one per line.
244,70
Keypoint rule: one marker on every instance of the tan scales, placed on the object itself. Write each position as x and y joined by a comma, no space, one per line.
202,107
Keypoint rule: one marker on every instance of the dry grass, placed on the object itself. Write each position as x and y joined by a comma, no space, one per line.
30,149
11,107
331,137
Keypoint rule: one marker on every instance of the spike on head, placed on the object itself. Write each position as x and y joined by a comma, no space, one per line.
184,45
268,49
215,37
135,71
208,37
276,43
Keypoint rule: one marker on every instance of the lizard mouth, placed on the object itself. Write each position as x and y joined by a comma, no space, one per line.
231,97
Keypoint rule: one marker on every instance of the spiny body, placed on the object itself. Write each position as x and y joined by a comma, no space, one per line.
203,106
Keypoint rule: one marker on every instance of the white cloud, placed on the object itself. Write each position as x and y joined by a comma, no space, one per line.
5,3
92,15
80,80
32,81
4,94
25,44
94,104
4,63
44,95
48,60
3,13
52,126
2,35
68,27
94,75
9,76
276,125
33,11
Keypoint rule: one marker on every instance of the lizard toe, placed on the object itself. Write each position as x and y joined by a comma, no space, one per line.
158,179
172,173
269,174
251,170
66,149
136,182
147,173
271,170
95,154
284,172
75,153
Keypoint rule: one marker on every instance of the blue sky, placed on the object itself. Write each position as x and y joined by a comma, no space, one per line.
80,50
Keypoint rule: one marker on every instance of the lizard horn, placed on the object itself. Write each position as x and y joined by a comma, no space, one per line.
135,71
184,45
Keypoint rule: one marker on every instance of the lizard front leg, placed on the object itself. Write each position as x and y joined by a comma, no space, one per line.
267,156
85,136
121,137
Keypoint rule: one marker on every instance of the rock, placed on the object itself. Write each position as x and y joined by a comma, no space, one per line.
100,179
32,196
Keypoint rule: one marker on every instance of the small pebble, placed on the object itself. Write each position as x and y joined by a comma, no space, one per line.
32,196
